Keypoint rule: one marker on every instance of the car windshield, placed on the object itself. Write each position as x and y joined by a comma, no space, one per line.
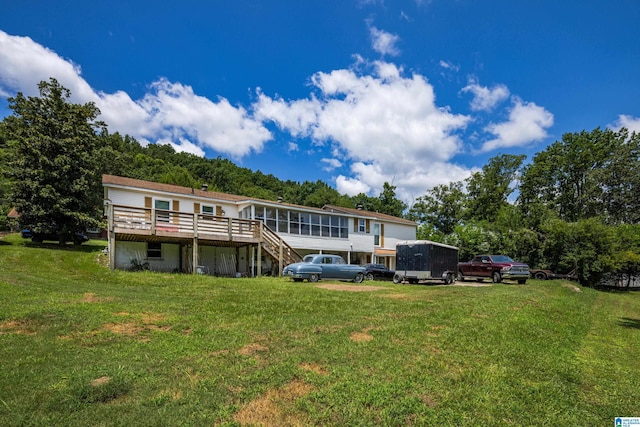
501,258
308,258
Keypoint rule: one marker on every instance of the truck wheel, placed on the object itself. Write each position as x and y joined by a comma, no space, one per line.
460,276
450,279
497,278
397,278
540,275
313,277
369,276
359,278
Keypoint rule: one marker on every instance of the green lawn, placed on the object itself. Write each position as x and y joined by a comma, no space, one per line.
81,345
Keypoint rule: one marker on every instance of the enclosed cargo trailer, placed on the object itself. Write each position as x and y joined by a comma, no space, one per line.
425,260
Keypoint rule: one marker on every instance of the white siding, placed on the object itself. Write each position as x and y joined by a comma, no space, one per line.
126,252
135,198
394,233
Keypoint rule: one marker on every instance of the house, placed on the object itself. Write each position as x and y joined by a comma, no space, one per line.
167,227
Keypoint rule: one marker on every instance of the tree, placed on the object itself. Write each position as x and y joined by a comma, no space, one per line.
389,203
53,162
585,175
441,209
489,189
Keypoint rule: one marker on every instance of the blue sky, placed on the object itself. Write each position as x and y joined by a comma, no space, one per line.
352,92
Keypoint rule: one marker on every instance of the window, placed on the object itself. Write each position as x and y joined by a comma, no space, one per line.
294,224
305,229
315,224
283,221
344,227
208,210
376,234
154,250
162,205
271,218
362,226
326,223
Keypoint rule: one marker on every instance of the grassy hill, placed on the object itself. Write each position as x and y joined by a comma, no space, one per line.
81,345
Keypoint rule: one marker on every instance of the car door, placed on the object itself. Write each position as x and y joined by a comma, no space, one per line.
485,267
329,268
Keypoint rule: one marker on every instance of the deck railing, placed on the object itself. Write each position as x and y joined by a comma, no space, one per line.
167,223
127,219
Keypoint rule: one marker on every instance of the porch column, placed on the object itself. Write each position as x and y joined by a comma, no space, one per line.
280,260
195,256
111,238
260,240
252,263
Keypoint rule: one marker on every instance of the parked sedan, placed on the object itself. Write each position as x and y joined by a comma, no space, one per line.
377,271
323,266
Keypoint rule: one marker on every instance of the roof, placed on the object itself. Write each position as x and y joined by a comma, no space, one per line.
120,181
13,213
361,212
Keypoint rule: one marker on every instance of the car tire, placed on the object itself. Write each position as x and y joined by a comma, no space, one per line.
540,275
461,276
449,279
313,277
368,276
359,278
497,278
397,278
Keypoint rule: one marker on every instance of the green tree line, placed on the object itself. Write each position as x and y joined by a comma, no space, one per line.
573,206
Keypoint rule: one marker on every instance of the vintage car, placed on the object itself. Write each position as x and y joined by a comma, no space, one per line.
494,267
323,266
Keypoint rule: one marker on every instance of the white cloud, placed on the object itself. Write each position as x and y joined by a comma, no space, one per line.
331,164
293,146
351,186
183,145
484,98
388,125
632,124
384,42
449,65
169,111
527,123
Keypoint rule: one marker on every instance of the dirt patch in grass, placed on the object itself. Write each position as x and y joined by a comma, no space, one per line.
253,348
363,336
428,401
99,381
147,324
274,408
313,367
470,284
19,327
90,297
574,288
350,288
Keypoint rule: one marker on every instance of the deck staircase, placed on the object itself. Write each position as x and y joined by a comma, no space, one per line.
275,246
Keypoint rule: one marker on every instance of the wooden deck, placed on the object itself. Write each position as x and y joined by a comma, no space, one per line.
148,224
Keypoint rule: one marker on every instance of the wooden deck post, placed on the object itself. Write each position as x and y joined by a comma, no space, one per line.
259,272
280,260
111,236
195,255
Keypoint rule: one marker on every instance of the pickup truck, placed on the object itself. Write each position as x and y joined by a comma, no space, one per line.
494,267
